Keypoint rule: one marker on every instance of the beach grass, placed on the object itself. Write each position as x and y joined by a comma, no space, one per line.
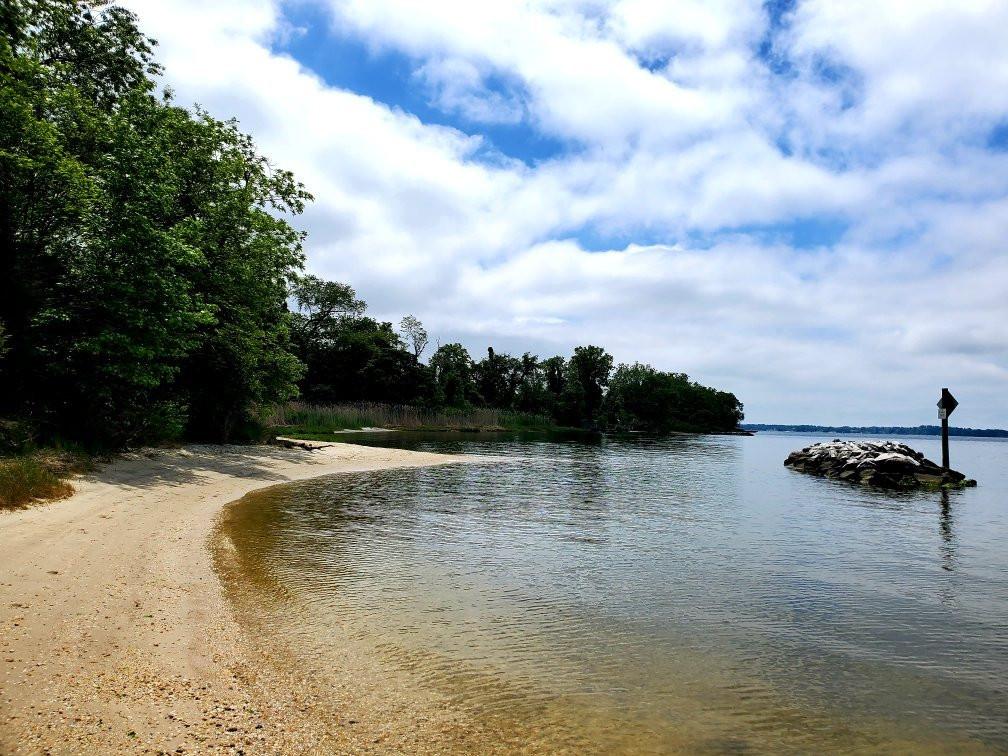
30,477
313,420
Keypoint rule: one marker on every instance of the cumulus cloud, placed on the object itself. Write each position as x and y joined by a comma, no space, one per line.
702,146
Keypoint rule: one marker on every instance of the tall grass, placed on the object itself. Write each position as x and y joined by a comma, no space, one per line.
24,479
312,418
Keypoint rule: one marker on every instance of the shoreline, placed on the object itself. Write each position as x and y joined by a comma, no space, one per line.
117,636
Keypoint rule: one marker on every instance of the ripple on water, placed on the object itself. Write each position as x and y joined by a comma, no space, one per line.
651,595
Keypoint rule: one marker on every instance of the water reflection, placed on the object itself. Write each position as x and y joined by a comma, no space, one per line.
948,548
677,594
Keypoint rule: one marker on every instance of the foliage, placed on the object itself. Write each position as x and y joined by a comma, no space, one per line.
641,398
322,308
585,382
497,379
454,378
150,272
147,259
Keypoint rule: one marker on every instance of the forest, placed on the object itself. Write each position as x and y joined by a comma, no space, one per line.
154,287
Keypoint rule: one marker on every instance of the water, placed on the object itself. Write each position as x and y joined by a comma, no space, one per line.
655,595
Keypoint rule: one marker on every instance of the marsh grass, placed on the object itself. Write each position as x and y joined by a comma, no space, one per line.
318,420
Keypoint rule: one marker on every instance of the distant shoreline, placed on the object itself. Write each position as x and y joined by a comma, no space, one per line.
877,430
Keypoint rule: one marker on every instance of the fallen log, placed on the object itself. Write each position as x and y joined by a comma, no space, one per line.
297,443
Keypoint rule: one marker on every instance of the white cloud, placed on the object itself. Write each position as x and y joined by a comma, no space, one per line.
932,70
708,145
460,87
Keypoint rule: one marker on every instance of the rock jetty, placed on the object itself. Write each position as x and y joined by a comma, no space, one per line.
877,463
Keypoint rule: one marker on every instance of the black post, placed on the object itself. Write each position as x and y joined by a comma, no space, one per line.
946,406
945,459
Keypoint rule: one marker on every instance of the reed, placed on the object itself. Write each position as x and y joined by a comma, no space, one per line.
318,419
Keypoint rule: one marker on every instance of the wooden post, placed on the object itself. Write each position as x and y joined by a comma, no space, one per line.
945,454
946,405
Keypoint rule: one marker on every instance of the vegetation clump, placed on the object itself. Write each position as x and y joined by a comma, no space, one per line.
29,473
25,478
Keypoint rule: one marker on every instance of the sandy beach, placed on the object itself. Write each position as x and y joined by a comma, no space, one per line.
115,635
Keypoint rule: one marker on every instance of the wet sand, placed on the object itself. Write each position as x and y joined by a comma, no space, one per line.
115,635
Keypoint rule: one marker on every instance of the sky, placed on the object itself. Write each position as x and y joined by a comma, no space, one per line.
803,202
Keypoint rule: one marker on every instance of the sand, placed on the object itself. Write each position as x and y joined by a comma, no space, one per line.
115,635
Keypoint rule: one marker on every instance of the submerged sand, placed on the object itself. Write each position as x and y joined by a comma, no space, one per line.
115,635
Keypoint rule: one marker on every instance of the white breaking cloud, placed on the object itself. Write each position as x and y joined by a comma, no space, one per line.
692,153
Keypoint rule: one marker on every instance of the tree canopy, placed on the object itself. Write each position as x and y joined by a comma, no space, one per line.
147,261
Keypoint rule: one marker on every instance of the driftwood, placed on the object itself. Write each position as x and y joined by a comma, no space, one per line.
296,443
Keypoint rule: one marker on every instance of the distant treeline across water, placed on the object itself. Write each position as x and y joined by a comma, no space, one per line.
880,430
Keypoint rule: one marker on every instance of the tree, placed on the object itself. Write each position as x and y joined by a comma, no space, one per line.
148,266
252,255
322,306
497,378
532,394
415,335
453,377
641,398
364,360
584,386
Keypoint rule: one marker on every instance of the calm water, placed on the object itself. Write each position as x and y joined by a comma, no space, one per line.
643,595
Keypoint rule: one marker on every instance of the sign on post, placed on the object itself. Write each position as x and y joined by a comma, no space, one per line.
946,406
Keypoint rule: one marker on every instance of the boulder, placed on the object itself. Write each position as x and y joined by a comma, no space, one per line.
885,464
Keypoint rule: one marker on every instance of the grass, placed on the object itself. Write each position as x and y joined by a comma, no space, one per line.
29,473
310,420
31,477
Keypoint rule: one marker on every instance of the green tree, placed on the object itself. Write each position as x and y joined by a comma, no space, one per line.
497,378
453,377
586,378
147,262
641,398
252,255
533,395
322,308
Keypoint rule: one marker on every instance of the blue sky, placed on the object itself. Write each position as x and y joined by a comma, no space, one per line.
803,202
346,60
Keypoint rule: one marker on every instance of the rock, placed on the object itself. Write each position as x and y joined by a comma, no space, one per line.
885,464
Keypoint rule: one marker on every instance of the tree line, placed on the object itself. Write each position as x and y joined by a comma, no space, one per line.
153,287
351,357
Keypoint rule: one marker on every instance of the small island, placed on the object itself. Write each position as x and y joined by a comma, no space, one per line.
884,464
